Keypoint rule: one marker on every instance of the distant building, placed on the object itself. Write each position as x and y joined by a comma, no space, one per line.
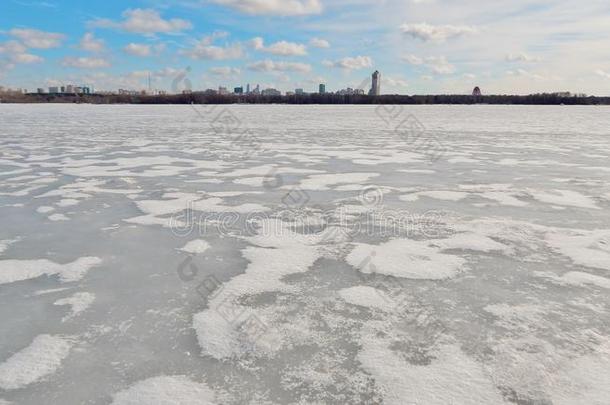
53,90
238,90
290,93
376,85
322,89
127,92
223,91
350,92
63,89
40,90
86,90
476,92
271,92
299,92
248,88
257,90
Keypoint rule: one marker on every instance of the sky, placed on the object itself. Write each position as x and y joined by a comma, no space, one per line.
419,46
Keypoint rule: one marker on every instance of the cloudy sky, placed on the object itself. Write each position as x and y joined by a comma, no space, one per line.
420,46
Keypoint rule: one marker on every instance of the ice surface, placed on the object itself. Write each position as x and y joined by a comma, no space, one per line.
304,255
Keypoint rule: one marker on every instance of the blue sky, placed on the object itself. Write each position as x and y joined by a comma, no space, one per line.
420,46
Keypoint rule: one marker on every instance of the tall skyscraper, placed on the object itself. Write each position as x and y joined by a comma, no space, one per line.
376,86
248,88
322,88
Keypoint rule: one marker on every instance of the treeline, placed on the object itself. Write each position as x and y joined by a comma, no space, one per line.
205,98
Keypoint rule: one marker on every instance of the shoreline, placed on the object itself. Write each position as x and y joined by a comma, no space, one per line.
311,99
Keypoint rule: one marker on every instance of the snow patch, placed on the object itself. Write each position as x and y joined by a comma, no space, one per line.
17,270
40,359
79,303
166,390
197,246
405,258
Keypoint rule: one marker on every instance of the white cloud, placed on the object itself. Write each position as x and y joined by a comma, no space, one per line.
395,81
319,43
281,48
16,53
85,62
272,66
437,64
436,33
204,49
12,47
137,49
90,43
521,57
524,73
37,39
224,71
602,73
26,58
274,7
144,21
350,63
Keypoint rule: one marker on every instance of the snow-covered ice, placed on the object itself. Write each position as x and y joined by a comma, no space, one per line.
154,255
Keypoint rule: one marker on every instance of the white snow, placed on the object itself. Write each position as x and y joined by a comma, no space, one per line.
452,378
166,390
438,195
369,297
405,258
197,246
585,248
40,359
78,302
18,270
564,198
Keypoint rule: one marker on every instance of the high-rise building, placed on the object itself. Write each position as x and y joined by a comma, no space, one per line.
299,92
322,88
238,90
222,91
248,88
53,90
40,90
376,85
63,89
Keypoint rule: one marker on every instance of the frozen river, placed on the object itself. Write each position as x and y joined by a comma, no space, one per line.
304,255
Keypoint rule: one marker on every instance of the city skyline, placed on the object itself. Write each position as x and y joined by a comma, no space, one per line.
422,47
